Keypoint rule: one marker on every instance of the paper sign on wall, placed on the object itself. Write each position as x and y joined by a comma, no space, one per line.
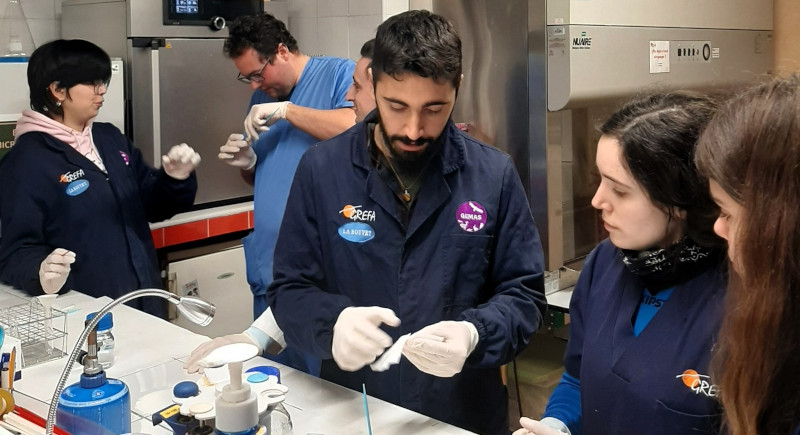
659,57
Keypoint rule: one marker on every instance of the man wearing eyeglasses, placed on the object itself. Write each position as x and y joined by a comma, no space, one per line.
297,101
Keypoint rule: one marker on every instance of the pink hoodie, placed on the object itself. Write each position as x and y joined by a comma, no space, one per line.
35,121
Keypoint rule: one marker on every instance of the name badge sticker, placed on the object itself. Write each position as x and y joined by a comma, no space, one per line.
356,232
471,216
77,187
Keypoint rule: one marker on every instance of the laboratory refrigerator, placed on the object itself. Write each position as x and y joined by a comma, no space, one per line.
218,277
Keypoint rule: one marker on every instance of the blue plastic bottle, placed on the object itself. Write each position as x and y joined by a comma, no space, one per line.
96,405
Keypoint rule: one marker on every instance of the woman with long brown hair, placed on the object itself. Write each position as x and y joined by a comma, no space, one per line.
751,153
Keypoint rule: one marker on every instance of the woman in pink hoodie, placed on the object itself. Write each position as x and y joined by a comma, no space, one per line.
76,196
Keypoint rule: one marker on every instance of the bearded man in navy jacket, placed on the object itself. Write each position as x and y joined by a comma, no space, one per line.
405,228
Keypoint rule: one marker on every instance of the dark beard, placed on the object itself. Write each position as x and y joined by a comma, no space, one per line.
413,162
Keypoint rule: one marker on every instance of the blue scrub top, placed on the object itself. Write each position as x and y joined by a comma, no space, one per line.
322,85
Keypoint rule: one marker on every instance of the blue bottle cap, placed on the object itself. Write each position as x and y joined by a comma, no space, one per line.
89,382
107,322
185,389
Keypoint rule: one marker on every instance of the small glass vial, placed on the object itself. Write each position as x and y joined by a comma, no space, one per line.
105,340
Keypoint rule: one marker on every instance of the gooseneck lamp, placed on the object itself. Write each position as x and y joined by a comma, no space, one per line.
195,309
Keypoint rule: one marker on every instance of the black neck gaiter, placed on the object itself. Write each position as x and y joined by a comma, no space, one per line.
662,268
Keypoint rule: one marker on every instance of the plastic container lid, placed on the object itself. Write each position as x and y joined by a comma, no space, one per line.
267,370
185,389
107,322
257,378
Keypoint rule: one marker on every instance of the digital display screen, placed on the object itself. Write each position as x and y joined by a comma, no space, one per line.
200,12
187,6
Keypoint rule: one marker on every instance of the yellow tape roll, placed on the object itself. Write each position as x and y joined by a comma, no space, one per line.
6,402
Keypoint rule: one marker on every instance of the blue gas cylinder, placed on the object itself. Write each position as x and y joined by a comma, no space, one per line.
95,406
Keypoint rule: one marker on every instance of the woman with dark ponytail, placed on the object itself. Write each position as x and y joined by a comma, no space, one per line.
647,306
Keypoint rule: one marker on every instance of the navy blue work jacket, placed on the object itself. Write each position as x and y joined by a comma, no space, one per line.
53,197
470,252
658,382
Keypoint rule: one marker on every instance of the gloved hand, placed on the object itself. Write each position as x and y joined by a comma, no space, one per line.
547,426
54,270
238,152
357,338
180,161
441,349
261,116
204,349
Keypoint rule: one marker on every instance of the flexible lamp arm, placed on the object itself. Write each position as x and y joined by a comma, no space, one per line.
195,309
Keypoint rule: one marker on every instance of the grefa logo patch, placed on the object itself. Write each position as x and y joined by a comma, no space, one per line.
69,177
699,384
356,213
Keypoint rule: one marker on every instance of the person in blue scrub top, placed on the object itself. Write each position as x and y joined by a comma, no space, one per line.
648,303
751,153
297,101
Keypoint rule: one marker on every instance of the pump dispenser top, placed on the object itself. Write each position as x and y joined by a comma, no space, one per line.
236,406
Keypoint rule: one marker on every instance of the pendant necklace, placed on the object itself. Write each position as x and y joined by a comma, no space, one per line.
406,195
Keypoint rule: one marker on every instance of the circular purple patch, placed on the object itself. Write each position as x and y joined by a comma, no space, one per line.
471,216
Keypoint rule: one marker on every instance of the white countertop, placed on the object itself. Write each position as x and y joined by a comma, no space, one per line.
149,354
561,298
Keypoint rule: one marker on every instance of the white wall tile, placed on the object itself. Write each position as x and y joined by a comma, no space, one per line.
303,8
333,36
332,8
304,31
44,30
394,7
362,29
420,4
42,9
364,7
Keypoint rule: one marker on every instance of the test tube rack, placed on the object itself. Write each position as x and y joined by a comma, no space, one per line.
43,337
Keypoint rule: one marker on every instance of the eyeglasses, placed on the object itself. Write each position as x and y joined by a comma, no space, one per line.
255,77
100,87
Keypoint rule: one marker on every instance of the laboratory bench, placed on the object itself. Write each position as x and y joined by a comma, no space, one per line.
149,355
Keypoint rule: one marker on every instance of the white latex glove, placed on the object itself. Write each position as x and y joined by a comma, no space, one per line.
547,426
261,116
180,161
54,270
441,349
357,338
238,152
204,349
